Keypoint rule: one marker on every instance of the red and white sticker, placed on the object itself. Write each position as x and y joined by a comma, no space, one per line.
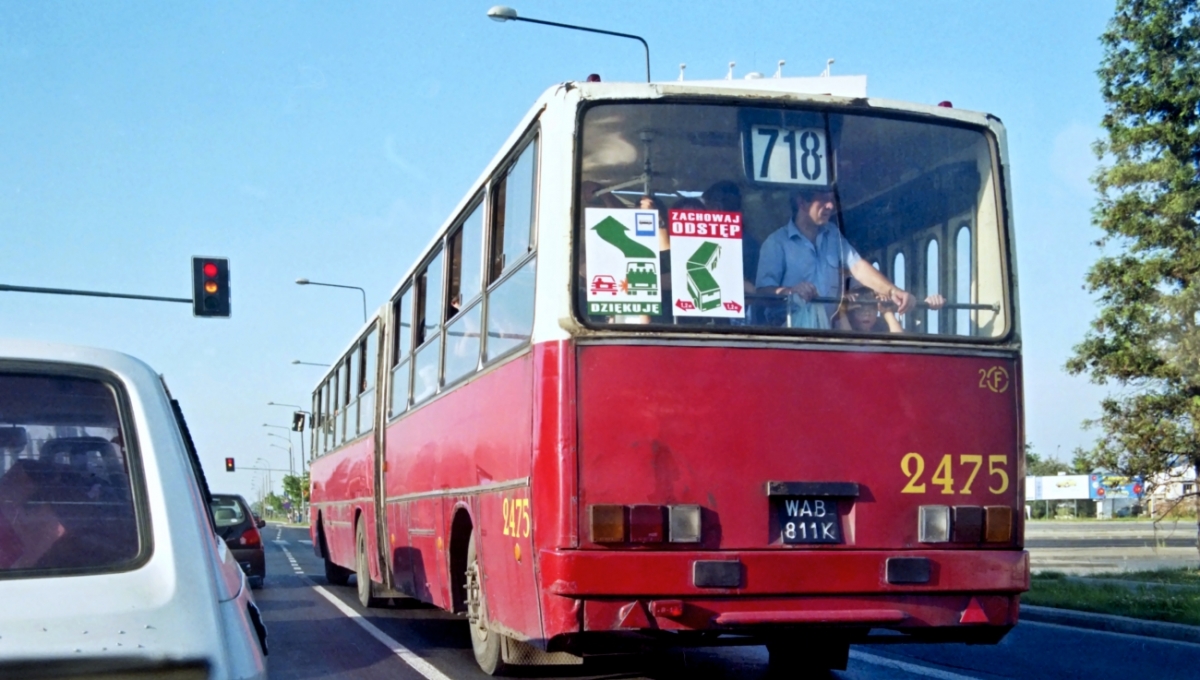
706,263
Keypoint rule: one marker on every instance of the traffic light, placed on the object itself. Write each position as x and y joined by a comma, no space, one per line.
229,465
210,286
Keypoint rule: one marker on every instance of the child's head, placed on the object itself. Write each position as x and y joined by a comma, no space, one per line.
862,310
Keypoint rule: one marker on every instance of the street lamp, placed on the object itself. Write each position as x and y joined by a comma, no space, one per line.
291,461
306,282
291,468
265,489
297,362
502,13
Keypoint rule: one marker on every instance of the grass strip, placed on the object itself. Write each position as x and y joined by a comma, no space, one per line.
1051,589
1175,577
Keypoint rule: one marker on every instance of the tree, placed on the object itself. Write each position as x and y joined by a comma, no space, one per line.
273,503
296,489
1146,338
1036,466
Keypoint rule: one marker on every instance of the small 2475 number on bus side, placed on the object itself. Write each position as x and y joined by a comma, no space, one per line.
944,475
516,517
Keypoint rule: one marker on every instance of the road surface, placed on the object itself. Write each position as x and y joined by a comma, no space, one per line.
320,631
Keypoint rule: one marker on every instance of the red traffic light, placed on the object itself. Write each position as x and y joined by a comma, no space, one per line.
210,287
229,465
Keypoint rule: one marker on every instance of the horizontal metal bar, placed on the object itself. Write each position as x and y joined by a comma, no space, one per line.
839,489
88,293
888,304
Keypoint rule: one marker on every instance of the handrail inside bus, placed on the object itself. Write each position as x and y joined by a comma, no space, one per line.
883,304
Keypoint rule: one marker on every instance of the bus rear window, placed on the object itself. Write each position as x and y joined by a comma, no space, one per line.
66,496
698,217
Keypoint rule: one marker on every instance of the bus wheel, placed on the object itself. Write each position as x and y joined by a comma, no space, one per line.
484,642
334,575
362,572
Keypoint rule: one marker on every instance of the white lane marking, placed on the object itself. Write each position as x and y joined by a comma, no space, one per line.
907,667
305,540
406,655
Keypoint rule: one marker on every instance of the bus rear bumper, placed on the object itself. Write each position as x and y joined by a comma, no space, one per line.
966,590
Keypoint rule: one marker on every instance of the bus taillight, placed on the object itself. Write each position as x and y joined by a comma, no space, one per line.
645,523
964,524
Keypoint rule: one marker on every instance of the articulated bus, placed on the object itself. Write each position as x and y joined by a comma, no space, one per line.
619,404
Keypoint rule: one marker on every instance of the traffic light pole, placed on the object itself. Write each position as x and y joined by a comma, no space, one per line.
265,469
88,293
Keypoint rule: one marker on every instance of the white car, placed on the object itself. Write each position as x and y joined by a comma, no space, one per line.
109,562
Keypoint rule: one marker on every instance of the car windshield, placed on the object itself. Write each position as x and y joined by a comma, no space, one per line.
227,511
66,500
779,220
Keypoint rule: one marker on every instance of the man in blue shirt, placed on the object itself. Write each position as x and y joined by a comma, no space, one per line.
808,258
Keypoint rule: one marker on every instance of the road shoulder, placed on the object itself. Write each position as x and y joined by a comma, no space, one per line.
1110,623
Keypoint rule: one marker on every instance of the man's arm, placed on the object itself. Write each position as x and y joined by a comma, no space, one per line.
871,277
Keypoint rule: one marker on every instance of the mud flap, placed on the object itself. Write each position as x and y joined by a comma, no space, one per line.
518,653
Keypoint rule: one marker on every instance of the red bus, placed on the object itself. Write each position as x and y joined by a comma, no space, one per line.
793,419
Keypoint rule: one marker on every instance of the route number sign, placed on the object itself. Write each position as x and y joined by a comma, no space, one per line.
789,155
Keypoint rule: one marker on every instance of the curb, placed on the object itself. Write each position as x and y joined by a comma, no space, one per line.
1111,624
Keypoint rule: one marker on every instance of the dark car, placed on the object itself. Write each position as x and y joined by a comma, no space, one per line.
239,527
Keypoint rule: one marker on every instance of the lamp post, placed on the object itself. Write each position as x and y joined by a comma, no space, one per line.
306,282
297,362
291,461
502,13
264,491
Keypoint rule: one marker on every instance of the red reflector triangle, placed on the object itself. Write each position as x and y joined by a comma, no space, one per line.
974,613
633,615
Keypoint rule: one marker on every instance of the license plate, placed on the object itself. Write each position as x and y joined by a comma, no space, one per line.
809,520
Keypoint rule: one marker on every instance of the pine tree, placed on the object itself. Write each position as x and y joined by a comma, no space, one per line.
1146,338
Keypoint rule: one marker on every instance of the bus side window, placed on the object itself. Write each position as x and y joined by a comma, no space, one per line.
512,269
355,384
344,398
326,415
402,312
466,269
335,405
428,326
465,249
510,311
315,421
366,401
512,213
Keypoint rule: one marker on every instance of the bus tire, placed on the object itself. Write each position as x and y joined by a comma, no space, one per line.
484,642
335,575
362,570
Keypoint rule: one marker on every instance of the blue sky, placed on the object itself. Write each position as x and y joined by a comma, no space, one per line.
329,141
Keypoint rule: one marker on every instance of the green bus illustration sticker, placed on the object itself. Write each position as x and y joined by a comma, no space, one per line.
706,263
